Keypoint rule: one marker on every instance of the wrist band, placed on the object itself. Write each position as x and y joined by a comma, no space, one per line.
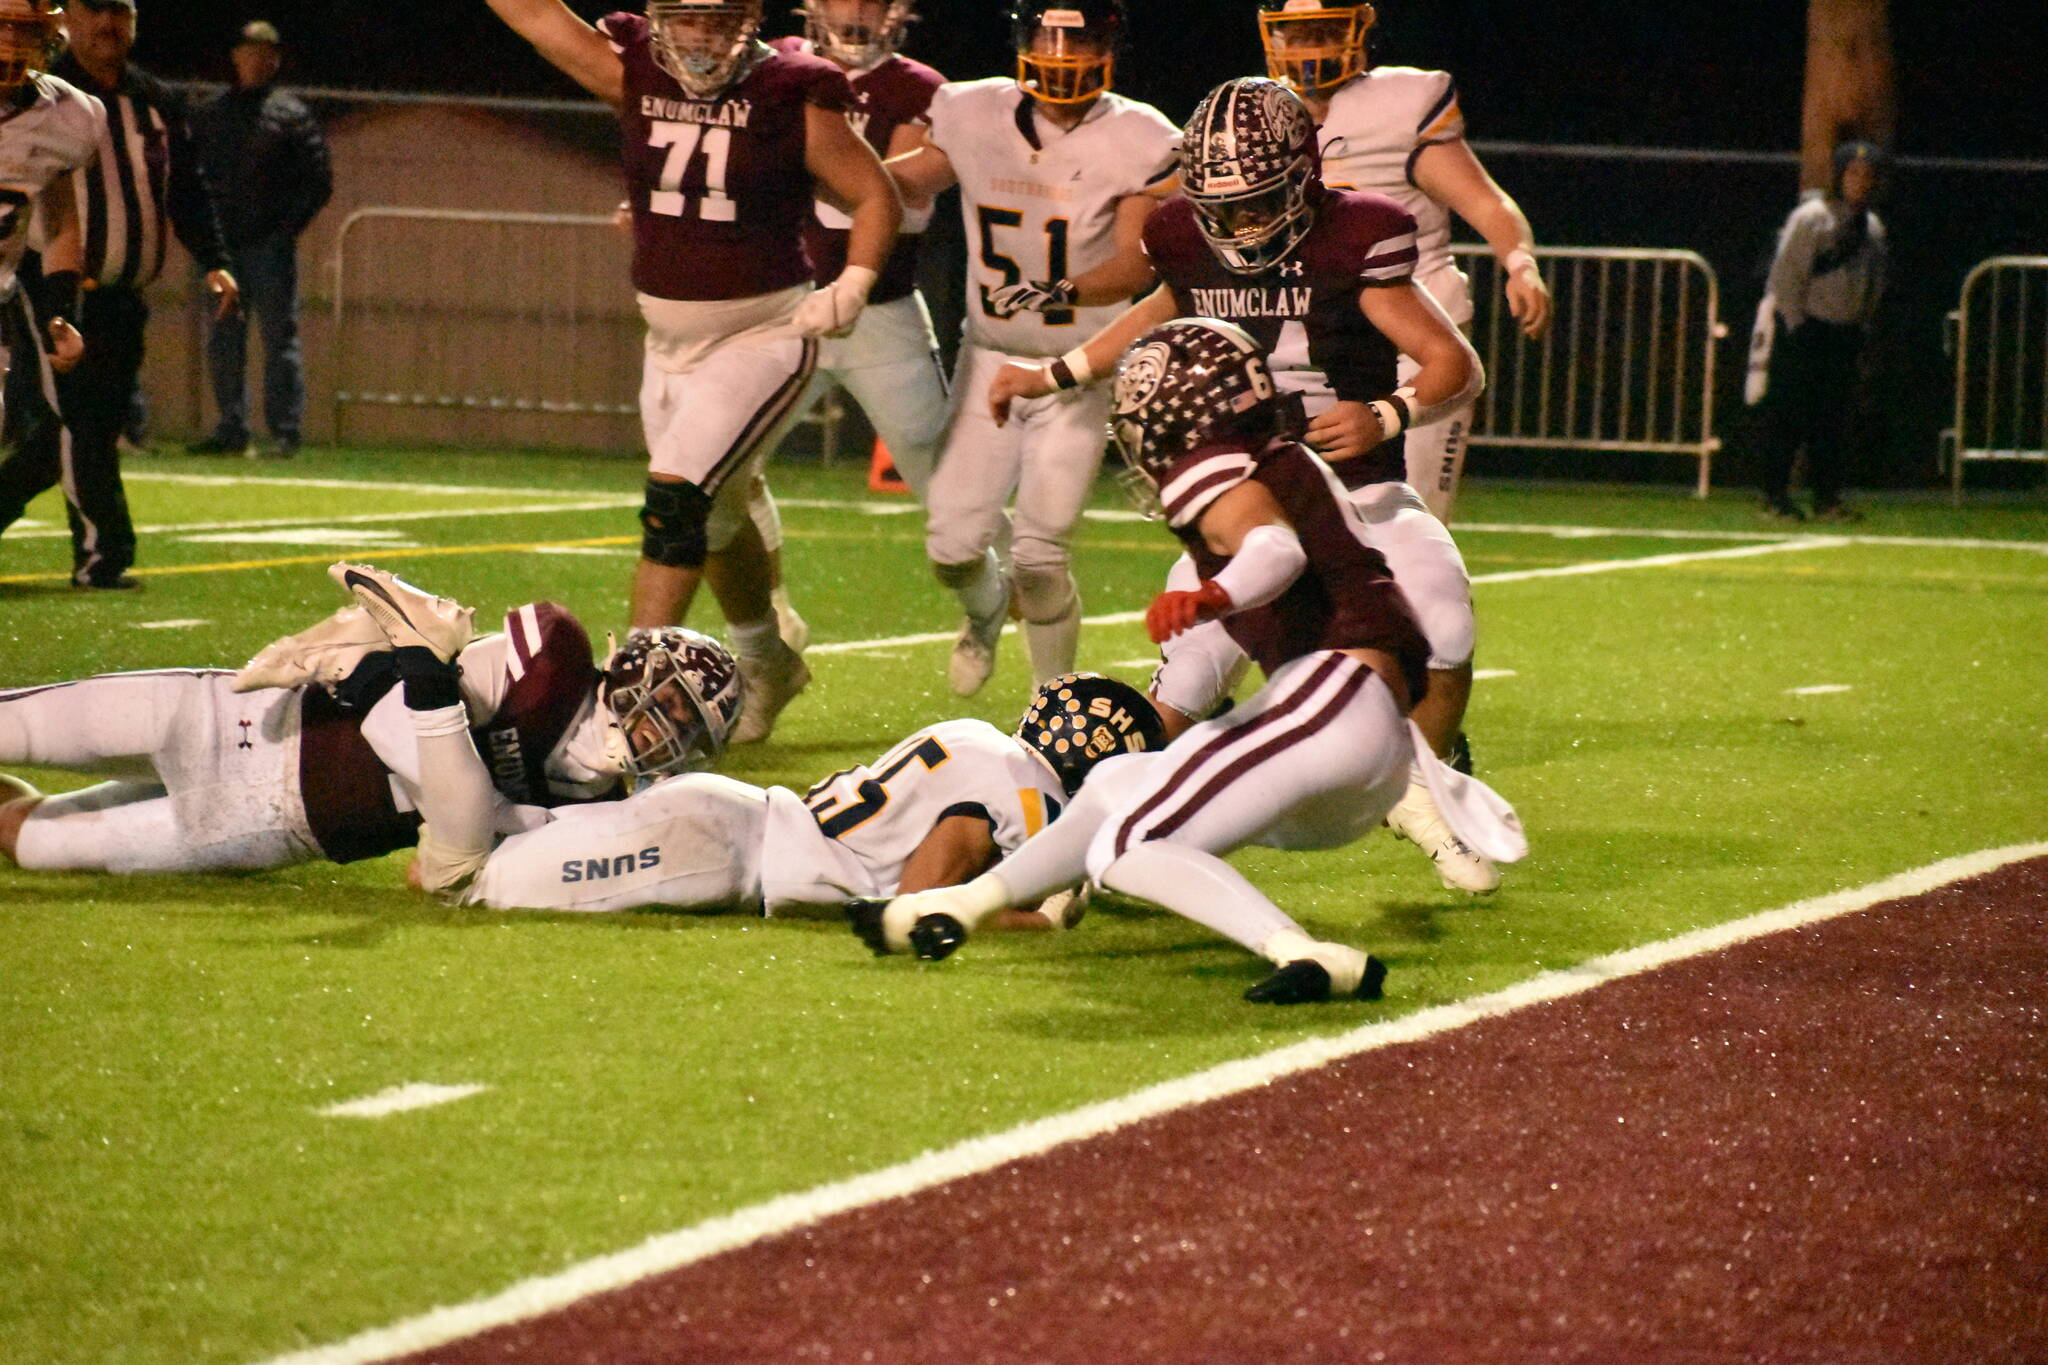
1393,420
1518,258
1071,370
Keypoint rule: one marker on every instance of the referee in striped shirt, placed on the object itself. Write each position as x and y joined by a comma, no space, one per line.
147,175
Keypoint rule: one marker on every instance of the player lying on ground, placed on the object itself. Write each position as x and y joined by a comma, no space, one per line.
1314,760
941,806
307,753
1323,279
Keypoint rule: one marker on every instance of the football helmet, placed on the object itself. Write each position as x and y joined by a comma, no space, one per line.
856,33
1249,168
1190,383
706,45
1066,49
28,34
1078,719
1314,46
673,695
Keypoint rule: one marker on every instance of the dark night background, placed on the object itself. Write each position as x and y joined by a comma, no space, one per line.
1721,75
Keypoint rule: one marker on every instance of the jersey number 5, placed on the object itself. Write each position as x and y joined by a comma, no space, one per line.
1055,257
683,141
874,792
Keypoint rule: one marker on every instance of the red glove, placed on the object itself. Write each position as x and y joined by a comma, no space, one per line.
1173,612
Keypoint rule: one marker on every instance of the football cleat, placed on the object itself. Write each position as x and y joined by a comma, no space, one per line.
320,655
409,617
866,919
974,656
1460,867
934,938
1066,909
1307,980
771,683
794,630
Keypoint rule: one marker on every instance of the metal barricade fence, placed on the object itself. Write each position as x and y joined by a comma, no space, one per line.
489,312
1628,362
2000,343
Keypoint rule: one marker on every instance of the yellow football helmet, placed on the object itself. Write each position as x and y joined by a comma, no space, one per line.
1313,46
28,34
1066,49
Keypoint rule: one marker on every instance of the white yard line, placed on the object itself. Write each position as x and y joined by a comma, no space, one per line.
686,1245
1817,690
399,1099
361,519
182,623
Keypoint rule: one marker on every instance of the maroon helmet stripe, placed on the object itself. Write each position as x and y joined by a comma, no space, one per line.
1276,715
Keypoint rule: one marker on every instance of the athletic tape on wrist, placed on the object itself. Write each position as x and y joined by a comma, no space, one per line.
1516,259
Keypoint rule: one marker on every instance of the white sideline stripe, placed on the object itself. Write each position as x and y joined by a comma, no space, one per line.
686,1245
902,507
365,518
1818,690
1482,674
181,623
308,535
398,1099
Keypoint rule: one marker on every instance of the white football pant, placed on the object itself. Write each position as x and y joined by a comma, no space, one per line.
1435,453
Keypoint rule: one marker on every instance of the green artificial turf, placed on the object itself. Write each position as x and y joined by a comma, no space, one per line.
172,1195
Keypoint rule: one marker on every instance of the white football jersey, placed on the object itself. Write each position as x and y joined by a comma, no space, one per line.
852,833
1377,122
1038,202
52,137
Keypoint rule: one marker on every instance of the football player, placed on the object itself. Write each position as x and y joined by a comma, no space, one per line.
1323,279
1056,172
724,139
939,807
48,128
1398,130
1314,760
307,753
890,361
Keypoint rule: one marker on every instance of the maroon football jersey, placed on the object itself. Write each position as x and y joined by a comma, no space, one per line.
347,790
718,188
1304,309
886,96
1346,597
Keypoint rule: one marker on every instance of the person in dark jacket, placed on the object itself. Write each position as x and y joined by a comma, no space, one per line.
144,184
267,160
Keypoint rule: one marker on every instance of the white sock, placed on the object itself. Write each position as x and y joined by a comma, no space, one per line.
756,639
1201,887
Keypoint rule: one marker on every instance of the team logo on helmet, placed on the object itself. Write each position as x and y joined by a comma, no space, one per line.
1078,719
673,695
1249,170
706,45
1194,382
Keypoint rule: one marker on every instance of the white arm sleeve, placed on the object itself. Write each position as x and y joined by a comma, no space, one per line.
457,799
1268,560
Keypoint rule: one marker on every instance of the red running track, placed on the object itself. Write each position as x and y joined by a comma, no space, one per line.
1829,1145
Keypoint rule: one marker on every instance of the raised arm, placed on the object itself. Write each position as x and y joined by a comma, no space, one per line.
579,51
1093,359
1450,173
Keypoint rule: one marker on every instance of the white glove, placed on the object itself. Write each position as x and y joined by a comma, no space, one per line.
832,311
1034,296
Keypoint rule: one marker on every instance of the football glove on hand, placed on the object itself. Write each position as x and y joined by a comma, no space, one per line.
832,311
1173,612
1032,296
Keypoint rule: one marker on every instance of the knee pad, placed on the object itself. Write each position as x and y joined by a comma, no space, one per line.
1045,593
958,576
672,524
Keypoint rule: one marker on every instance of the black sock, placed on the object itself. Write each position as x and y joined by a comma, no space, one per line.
430,683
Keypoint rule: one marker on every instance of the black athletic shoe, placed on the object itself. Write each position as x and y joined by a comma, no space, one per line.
935,937
1372,985
120,582
1783,509
1460,757
1301,982
219,445
866,919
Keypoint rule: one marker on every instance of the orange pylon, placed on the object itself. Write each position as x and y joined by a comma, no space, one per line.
882,475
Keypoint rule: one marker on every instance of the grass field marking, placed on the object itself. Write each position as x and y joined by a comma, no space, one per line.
669,1251
400,1099
181,623
297,481
1818,690
176,528
287,561
1484,674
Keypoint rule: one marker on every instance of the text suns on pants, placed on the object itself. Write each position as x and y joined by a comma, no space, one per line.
597,869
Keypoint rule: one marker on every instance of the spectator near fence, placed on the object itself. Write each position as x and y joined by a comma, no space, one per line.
1826,280
266,158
